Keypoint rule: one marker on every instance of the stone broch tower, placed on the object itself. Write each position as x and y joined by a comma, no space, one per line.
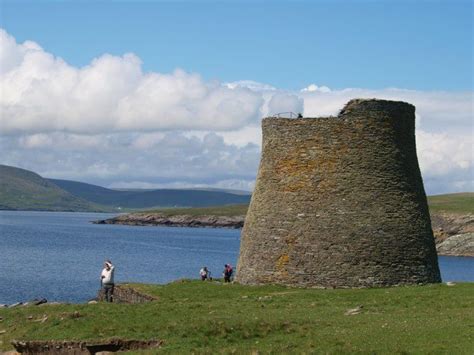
339,202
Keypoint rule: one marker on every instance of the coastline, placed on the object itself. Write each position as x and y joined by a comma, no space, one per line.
182,220
454,233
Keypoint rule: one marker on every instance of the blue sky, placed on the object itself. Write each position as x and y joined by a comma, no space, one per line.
422,45
171,94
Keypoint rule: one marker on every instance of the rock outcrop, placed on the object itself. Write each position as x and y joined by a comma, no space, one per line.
157,219
447,224
457,245
454,233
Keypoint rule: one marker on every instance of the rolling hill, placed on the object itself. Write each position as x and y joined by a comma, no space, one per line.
25,190
139,199
22,189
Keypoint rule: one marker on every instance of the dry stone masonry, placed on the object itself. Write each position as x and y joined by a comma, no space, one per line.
339,202
126,294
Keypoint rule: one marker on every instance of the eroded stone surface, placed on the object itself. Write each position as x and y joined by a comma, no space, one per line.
457,245
446,224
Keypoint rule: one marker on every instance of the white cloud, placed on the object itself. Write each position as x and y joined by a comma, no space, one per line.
443,154
438,111
314,87
36,140
124,159
250,84
111,123
42,93
283,102
232,184
242,137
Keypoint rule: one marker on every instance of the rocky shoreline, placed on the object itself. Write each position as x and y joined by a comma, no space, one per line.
157,219
454,233
35,302
123,293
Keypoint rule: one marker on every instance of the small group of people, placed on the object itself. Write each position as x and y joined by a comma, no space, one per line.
107,278
227,273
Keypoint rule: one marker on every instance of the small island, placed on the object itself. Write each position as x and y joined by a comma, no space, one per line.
231,216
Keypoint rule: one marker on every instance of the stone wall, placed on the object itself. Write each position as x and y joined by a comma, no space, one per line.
339,202
126,294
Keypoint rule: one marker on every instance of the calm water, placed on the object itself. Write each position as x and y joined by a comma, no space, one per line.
59,255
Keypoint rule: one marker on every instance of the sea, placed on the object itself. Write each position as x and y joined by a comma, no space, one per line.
59,255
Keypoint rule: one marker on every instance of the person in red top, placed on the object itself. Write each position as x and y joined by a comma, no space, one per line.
227,272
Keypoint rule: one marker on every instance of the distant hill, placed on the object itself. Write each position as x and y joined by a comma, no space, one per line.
21,189
231,191
139,199
93,193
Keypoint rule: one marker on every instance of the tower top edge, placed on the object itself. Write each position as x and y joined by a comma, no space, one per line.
355,106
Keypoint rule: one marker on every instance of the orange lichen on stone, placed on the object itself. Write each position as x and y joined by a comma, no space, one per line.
282,262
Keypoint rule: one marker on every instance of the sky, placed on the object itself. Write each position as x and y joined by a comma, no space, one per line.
171,94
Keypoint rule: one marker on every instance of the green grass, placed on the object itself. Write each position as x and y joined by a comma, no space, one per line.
454,203
229,210
204,317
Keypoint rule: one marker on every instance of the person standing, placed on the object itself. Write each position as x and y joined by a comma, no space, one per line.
205,274
107,280
227,273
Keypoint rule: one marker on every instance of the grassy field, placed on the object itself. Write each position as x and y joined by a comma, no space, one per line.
455,203
210,317
229,210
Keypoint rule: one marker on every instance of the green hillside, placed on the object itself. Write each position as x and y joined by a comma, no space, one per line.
24,190
455,203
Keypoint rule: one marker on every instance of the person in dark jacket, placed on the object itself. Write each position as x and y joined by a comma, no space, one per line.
227,273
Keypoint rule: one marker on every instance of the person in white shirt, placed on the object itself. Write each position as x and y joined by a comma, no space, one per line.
205,274
107,280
